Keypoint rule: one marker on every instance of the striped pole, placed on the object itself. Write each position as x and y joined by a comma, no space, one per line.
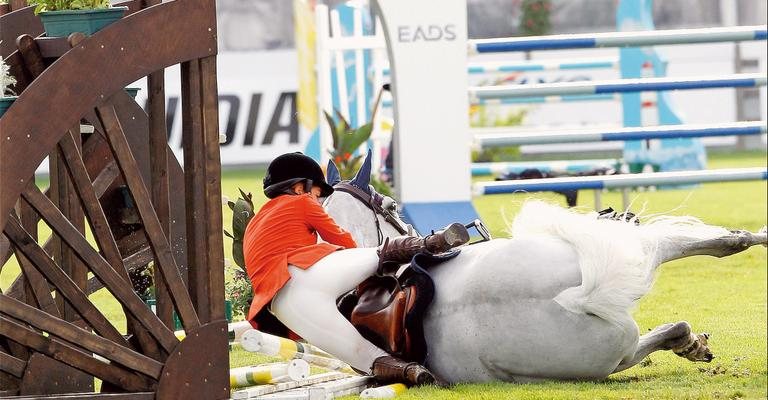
495,168
259,342
619,39
384,392
620,181
235,331
542,99
263,390
615,86
496,137
491,67
264,374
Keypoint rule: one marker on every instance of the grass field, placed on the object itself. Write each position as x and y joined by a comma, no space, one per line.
725,297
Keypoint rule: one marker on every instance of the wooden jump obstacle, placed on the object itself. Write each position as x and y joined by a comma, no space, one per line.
113,185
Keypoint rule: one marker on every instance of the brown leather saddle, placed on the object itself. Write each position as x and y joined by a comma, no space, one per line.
388,310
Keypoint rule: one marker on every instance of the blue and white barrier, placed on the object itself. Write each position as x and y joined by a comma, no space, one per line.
496,168
615,86
621,181
619,39
496,137
425,97
490,67
547,99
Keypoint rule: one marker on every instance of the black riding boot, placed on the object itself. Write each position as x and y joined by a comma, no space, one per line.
401,249
388,369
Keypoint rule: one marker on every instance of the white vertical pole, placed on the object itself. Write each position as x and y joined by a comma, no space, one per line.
378,60
324,101
357,31
341,76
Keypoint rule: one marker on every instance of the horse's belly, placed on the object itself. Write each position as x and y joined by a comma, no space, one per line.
493,317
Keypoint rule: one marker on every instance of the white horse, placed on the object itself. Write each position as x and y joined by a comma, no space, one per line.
552,301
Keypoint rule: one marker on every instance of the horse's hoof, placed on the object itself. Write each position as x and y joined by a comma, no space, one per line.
696,349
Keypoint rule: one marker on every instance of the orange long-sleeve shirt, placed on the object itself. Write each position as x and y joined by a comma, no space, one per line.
283,232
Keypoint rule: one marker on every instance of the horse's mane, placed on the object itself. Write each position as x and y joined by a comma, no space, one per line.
617,259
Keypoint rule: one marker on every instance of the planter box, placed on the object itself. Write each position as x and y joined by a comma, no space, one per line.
5,103
65,22
132,91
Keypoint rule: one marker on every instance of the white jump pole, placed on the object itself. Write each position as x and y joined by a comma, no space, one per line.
622,181
620,39
493,137
431,136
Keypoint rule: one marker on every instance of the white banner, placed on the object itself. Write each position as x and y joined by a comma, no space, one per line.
257,106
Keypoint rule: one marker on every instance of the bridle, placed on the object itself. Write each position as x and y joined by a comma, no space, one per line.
381,205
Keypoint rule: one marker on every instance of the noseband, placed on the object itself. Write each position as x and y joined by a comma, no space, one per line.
374,201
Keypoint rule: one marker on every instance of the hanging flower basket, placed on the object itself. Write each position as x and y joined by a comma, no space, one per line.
5,103
63,23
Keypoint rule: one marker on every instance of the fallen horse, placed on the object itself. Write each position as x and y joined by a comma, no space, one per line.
553,301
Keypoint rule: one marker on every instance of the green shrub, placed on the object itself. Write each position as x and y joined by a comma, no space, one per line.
58,5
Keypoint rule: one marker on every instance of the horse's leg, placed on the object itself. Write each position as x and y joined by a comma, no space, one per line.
732,243
676,337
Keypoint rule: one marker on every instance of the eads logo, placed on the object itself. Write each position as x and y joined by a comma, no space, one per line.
426,33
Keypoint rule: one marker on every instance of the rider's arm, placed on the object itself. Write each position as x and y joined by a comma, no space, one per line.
326,226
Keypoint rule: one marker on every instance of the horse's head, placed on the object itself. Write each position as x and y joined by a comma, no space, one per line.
356,206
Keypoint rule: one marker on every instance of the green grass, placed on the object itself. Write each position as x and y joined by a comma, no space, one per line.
725,297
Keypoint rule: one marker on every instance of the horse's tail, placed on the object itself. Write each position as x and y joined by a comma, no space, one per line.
617,258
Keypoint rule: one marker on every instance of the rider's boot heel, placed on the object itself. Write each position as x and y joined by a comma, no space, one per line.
449,237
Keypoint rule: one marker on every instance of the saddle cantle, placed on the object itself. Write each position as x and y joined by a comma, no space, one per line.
388,310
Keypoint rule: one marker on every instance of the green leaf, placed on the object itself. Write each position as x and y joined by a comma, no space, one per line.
343,126
240,218
359,136
248,197
237,253
332,125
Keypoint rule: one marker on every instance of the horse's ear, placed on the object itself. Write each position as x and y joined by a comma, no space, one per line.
363,176
332,175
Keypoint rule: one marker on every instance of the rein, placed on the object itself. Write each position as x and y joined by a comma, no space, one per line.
374,201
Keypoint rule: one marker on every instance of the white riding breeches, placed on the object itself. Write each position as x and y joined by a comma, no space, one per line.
307,305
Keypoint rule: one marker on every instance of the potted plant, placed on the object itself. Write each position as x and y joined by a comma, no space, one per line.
238,289
7,96
346,140
61,18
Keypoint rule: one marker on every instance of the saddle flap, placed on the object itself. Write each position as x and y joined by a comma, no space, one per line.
382,325
390,310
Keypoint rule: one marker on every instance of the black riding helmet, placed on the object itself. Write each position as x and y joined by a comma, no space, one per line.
288,169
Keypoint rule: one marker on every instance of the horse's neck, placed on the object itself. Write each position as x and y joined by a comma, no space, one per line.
356,218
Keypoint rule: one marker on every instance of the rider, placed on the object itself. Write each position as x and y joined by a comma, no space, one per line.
300,279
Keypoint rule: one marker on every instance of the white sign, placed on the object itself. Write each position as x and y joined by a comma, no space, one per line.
257,106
